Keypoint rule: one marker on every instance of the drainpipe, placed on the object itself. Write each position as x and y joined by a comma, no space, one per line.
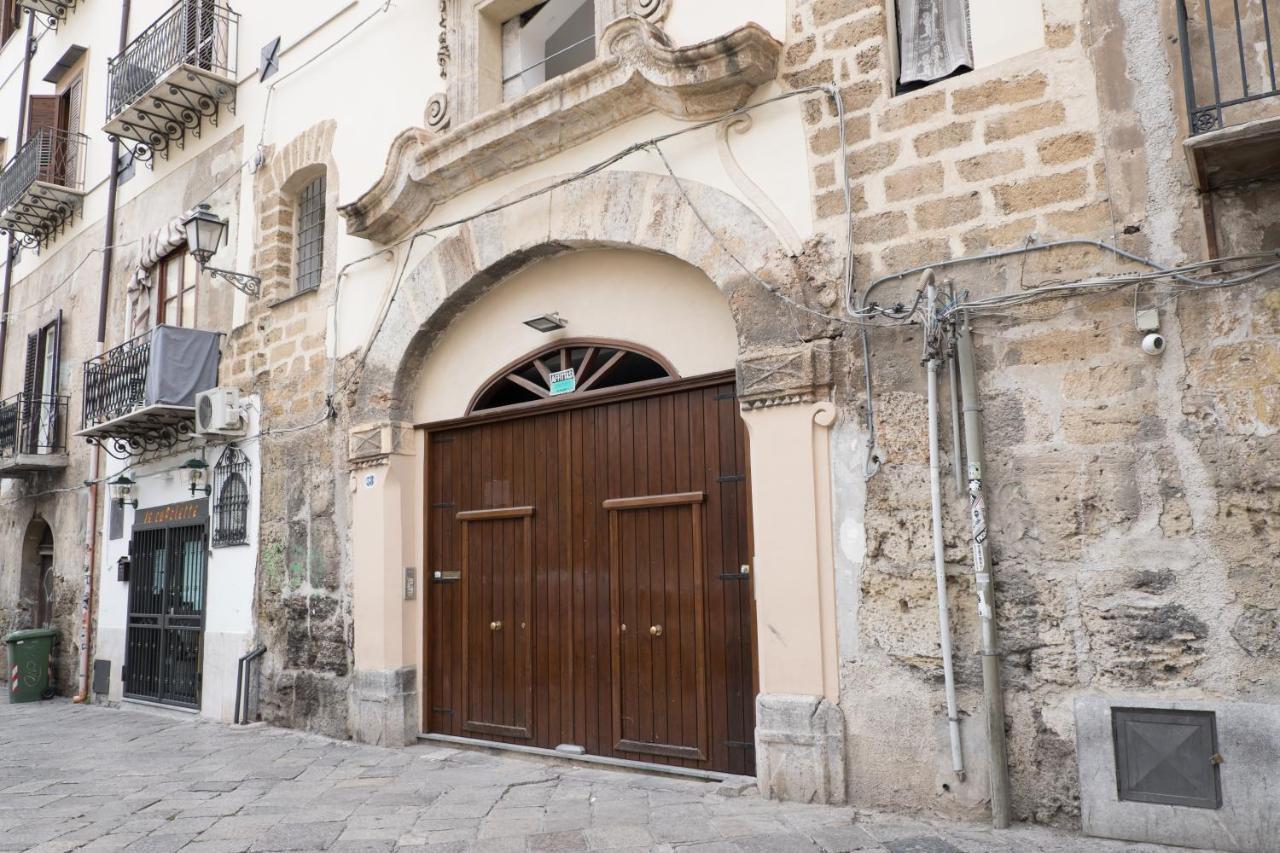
10,247
992,694
933,362
104,292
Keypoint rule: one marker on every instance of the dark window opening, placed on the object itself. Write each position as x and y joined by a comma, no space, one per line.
309,265
231,499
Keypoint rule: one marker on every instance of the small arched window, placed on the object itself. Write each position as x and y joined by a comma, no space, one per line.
309,235
571,367
231,499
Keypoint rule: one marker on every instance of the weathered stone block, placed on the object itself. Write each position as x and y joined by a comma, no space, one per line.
800,749
992,93
829,11
926,179
912,109
991,165
385,706
1066,148
1034,193
1025,120
881,227
853,33
945,212
948,136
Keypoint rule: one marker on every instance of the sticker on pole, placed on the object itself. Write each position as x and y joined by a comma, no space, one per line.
563,382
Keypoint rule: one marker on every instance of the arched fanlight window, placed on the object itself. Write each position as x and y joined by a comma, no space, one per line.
231,498
572,367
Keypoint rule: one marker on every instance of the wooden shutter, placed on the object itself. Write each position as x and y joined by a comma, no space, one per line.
33,365
55,341
43,115
73,100
12,20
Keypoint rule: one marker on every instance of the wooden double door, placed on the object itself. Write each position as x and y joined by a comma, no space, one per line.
589,582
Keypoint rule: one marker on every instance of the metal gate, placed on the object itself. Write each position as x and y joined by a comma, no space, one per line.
164,646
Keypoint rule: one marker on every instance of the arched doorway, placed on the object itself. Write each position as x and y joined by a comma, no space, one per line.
38,575
593,590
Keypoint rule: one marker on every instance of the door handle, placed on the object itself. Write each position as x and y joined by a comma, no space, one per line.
656,630
495,626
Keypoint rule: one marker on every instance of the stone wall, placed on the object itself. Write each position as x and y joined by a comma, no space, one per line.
1131,497
303,595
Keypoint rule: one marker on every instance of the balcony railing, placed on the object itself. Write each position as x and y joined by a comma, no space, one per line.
42,187
32,425
141,395
173,77
52,12
1230,50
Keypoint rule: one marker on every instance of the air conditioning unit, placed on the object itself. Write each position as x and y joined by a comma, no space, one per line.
218,412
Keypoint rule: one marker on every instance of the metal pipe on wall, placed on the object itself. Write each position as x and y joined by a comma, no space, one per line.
10,247
104,293
992,693
933,362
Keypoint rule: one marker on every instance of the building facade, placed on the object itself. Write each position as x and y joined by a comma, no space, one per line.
592,379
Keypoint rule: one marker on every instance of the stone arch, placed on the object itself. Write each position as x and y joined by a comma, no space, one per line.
278,182
630,210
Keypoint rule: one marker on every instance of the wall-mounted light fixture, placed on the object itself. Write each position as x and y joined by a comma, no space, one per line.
197,472
547,323
206,231
122,491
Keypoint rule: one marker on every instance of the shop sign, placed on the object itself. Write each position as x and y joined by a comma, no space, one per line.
563,382
185,514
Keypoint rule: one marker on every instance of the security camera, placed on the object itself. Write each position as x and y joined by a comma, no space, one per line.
1153,344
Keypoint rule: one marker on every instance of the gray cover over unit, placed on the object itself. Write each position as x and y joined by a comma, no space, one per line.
184,362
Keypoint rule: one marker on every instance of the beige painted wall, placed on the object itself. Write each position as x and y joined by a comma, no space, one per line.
634,296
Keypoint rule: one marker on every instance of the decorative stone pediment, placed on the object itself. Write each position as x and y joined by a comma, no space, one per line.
786,376
638,71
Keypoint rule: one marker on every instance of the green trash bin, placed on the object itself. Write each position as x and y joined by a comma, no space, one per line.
29,653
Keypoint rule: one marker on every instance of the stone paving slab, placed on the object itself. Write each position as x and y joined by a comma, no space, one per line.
100,779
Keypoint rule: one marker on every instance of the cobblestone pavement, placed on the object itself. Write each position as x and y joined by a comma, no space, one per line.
75,778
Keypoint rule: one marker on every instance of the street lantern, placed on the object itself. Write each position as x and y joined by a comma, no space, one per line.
206,231
197,472
122,491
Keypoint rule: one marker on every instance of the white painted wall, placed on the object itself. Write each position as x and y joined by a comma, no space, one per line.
1003,29
229,618
700,20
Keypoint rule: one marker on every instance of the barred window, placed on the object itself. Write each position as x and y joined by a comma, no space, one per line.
231,496
310,235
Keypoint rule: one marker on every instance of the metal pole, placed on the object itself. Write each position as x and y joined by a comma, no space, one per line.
992,694
939,557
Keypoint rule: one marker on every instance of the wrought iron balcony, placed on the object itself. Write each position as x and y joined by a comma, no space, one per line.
176,75
140,396
33,434
1230,68
52,12
42,187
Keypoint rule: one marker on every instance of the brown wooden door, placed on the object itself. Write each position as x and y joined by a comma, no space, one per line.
497,593
659,636
636,513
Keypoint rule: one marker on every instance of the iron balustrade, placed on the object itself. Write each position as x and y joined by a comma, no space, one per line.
1229,61
50,156
33,425
115,382
199,33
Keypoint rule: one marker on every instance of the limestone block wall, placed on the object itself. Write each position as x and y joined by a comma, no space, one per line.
1131,498
279,353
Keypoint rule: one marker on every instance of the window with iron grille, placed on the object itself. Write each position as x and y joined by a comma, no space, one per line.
310,235
231,498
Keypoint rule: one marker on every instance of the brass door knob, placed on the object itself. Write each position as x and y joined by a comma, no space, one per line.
656,630
495,626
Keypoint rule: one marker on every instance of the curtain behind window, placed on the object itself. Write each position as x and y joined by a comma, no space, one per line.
933,39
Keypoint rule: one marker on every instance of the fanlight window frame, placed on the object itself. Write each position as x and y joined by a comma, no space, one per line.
605,360
230,514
